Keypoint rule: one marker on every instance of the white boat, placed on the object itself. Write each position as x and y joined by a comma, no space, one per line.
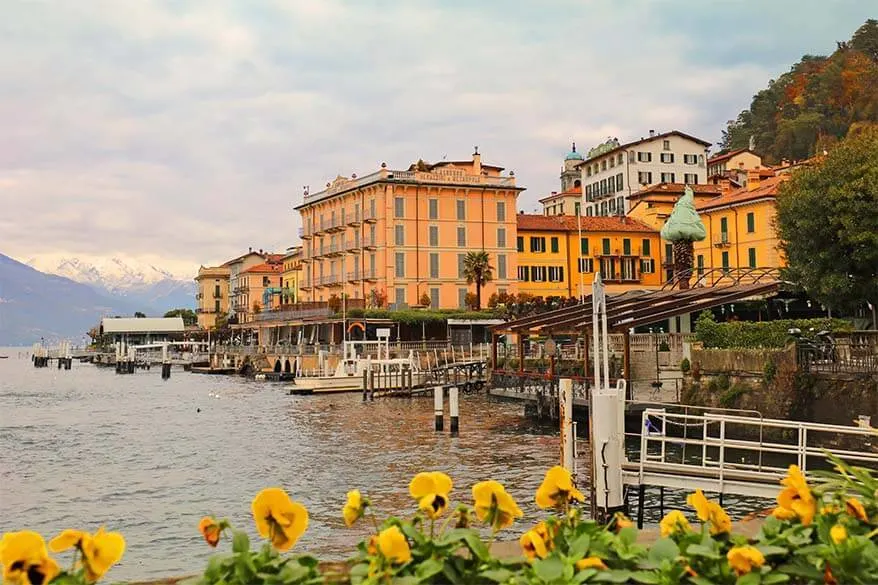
361,357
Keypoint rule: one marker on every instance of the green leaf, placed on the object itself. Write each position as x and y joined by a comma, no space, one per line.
701,580
549,569
772,550
293,572
663,549
428,568
497,575
773,578
579,546
801,570
628,535
240,542
407,580
749,579
645,577
475,544
699,550
613,575
584,575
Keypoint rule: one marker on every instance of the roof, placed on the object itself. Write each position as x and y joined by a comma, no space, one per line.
213,272
241,258
767,189
573,155
476,321
650,139
722,157
676,189
265,268
445,163
570,223
142,325
571,193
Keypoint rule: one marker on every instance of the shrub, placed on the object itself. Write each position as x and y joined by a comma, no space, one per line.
723,382
685,366
729,398
769,371
765,334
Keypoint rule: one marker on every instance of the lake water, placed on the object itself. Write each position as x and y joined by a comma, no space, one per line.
148,458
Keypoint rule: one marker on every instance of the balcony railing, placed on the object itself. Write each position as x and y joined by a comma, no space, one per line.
369,275
354,276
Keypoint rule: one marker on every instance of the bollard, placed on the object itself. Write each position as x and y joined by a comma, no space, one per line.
438,409
565,408
365,384
453,410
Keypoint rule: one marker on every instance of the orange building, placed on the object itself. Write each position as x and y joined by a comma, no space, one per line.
404,234
212,298
255,282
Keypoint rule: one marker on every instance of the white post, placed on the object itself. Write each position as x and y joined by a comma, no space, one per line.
438,409
579,261
565,398
454,410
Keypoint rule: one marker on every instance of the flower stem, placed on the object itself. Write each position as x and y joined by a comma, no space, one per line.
374,521
432,524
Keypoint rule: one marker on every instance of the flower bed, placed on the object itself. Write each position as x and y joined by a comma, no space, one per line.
824,533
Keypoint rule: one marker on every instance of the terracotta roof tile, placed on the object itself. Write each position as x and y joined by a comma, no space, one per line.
767,188
569,223
676,189
265,268
570,193
726,156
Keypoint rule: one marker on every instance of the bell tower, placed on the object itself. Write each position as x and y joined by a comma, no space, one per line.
571,176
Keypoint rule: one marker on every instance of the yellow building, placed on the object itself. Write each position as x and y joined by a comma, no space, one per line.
741,160
291,276
740,229
212,298
404,234
554,260
260,288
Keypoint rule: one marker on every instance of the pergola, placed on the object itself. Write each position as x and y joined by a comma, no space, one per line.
636,308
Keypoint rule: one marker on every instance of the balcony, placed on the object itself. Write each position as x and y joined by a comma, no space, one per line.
369,243
353,246
722,240
369,275
217,295
354,221
369,217
335,226
334,250
305,234
354,276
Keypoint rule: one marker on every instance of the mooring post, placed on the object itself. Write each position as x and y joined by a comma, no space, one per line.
365,384
454,410
438,408
565,408
166,362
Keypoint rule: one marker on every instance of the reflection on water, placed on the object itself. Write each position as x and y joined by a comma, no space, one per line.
86,447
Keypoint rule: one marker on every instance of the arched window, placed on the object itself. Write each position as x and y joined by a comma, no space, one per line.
577,183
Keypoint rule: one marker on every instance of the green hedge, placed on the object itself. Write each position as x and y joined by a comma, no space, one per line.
747,334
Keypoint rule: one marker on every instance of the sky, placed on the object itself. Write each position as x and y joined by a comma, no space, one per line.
182,132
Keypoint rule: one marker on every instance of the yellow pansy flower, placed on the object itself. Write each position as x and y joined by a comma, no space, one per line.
278,518
354,508
100,550
433,505
494,506
855,508
838,534
557,489
590,563
394,546
710,512
674,522
210,530
25,559
744,559
533,545
622,521
795,499
431,490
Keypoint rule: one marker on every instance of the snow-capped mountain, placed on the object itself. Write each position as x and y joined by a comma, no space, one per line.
154,289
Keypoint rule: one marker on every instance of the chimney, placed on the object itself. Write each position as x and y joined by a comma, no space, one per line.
477,161
250,249
725,185
752,180
652,133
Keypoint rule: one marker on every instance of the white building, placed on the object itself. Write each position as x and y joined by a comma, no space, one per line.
136,331
613,171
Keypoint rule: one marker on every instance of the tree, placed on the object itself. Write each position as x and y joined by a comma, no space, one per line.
188,315
425,300
683,228
865,40
828,224
477,270
139,315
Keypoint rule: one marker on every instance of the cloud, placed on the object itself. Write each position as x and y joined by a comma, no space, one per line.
186,129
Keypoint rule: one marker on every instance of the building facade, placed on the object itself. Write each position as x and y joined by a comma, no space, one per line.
559,255
291,275
742,159
260,289
613,171
212,298
398,237
237,307
564,203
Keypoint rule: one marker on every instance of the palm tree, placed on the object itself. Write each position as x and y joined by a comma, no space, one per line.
476,269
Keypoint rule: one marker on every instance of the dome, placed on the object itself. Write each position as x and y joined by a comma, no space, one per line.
573,155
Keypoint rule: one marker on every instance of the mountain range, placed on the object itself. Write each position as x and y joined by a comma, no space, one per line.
69,297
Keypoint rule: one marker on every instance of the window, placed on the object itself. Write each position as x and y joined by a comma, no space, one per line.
399,207
644,157
501,211
611,185
699,263
434,235
603,165
690,178
751,223
690,159
726,262
588,192
524,273
372,264
644,178
612,206
619,182
400,297
371,208
626,246
433,211
606,246
400,264
628,268
586,265
667,177
434,298
577,208
520,243
608,268
588,171
461,209
724,229
501,237
667,157
612,161
554,244
461,298
461,237
501,266
399,235
434,265
538,273
647,266
460,258
666,144
537,244
751,256
583,246
556,273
